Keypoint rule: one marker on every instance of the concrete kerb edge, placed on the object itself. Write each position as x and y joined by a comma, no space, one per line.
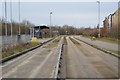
101,49
57,70
23,52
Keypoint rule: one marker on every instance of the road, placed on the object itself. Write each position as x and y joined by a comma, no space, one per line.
39,63
101,44
84,61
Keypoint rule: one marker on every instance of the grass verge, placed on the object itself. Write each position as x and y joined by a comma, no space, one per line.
115,51
106,39
111,40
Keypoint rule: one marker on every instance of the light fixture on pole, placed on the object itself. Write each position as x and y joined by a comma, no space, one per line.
98,18
50,25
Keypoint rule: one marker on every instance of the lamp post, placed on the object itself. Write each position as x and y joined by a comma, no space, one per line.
19,31
110,24
50,24
98,18
19,18
6,20
11,16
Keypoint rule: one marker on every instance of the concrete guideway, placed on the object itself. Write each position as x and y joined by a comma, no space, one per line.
84,61
39,63
43,41
78,61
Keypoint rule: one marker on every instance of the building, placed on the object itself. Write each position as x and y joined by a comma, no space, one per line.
37,31
105,29
114,24
111,25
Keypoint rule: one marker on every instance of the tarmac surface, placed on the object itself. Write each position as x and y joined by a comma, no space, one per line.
102,44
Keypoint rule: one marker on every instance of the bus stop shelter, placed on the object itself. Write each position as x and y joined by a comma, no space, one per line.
37,30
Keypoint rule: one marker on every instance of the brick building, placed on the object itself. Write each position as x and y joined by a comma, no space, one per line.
111,25
105,29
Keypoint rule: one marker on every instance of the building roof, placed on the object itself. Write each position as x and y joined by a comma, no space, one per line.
42,27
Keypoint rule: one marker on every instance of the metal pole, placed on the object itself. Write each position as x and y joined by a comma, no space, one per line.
19,18
11,16
33,31
50,25
110,23
30,31
6,20
19,32
98,17
25,31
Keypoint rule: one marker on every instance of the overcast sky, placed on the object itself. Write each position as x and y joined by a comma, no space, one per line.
77,14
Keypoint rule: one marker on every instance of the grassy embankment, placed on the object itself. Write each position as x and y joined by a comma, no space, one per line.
18,48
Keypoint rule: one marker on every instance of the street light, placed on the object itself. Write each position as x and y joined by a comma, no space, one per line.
110,22
98,17
11,16
19,33
19,17
50,24
6,20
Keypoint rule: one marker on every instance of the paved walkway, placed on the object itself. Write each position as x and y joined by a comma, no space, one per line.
105,45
